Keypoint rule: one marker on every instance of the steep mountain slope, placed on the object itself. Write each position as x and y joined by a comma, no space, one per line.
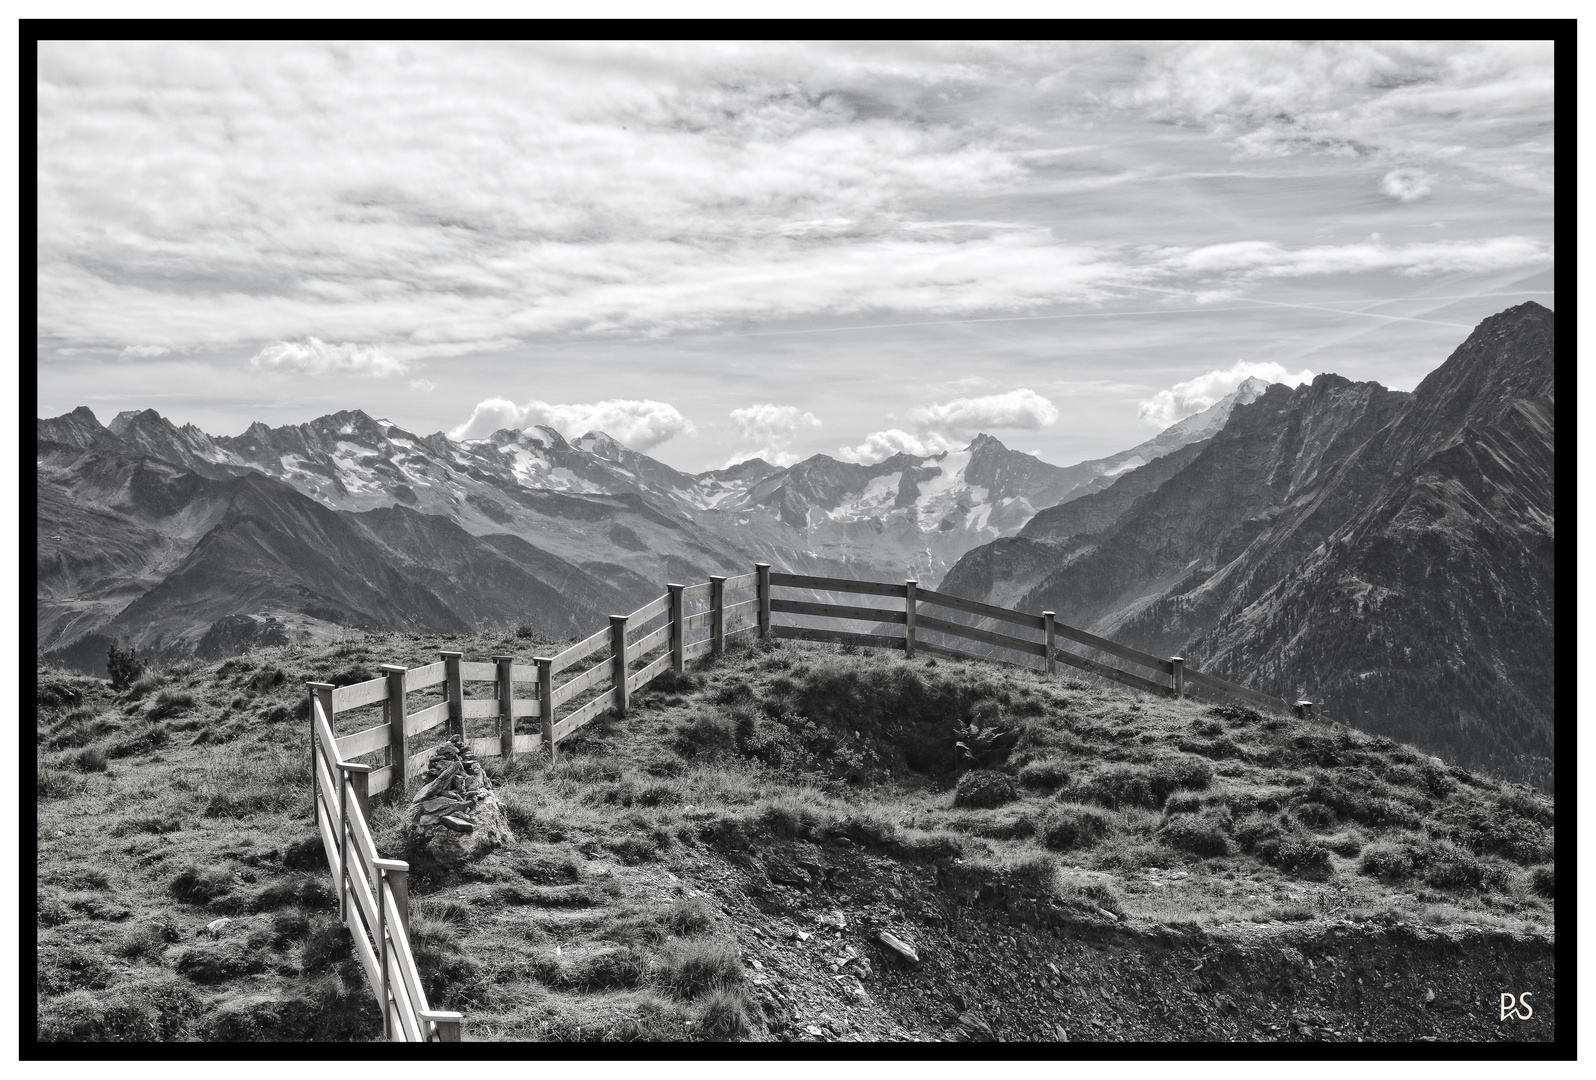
1389,554
1430,612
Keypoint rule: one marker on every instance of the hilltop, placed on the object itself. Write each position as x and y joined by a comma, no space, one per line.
1065,859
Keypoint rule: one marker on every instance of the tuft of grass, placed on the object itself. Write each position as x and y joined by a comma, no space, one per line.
1047,774
91,759
691,967
723,1014
1200,834
689,915
201,885
169,703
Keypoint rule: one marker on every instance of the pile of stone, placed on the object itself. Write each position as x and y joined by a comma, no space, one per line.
455,815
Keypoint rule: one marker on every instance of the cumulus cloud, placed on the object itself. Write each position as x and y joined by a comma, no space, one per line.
313,356
639,425
1407,185
770,429
143,352
879,445
1194,395
950,424
426,386
1023,408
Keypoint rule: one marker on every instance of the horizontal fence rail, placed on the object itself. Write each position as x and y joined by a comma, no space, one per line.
606,669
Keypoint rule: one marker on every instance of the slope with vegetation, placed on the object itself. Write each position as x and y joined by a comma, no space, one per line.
1063,860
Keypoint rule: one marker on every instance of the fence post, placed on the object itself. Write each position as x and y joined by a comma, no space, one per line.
1047,634
762,590
360,783
506,707
618,658
399,888
447,1024
546,700
678,632
382,955
1177,678
315,752
394,712
717,620
456,692
909,587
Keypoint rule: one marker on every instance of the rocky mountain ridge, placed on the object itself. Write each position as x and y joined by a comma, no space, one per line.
175,539
1388,554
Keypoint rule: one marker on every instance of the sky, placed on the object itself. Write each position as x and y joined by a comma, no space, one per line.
715,251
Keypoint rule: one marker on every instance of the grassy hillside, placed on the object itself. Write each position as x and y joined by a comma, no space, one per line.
1064,859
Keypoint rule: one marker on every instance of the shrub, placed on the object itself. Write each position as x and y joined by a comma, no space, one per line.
1200,834
983,789
123,667
690,967
91,759
723,1014
1542,880
706,734
1063,828
1279,844
1388,862
1447,866
1315,815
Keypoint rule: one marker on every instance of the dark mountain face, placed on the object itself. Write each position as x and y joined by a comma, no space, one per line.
1390,554
1430,611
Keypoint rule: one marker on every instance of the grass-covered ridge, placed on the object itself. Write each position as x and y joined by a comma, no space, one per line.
776,775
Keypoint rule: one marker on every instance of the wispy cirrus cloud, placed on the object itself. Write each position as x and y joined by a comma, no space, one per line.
313,356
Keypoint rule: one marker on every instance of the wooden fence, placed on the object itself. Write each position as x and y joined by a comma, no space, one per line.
622,658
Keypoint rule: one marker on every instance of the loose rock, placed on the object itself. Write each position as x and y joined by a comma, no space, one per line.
902,948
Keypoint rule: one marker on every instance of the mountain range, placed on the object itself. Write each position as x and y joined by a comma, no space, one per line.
1388,554
180,542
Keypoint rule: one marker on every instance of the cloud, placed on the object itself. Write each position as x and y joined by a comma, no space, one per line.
639,425
949,425
879,445
771,428
313,356
1023,408
141,352
1407,185
426,386
1194,395
1246,260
